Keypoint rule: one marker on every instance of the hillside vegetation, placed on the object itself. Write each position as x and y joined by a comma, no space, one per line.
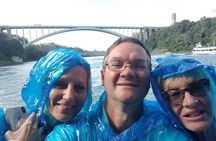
11,47
183,36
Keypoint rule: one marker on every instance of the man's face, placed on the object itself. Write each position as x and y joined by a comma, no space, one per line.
130,83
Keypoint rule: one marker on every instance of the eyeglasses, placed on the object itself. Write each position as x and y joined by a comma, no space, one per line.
119,65
196,89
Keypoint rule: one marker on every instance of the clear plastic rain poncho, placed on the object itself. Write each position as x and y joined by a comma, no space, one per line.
42,77
152,126
175,65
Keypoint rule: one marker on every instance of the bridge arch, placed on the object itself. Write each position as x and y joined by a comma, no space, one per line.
74,29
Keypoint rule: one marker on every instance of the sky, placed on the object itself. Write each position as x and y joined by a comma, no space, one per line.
101,13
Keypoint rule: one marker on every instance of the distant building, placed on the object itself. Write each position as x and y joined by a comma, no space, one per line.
173,18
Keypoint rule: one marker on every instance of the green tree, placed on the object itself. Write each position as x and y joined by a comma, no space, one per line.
183,36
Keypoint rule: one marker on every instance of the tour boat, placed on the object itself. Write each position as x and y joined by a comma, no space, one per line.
201,50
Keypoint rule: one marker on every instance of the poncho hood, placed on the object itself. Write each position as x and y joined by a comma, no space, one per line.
43,76
172,66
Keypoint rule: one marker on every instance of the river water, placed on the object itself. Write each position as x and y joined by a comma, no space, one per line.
12,79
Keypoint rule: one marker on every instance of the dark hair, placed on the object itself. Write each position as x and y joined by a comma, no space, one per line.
123,40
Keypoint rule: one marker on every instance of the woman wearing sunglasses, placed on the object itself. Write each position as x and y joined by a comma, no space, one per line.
185,89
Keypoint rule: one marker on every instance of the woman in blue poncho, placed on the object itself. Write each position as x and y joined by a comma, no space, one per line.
121,113
185,89
58,90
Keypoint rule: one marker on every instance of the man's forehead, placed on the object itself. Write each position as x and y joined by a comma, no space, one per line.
122,49
120,58
128,57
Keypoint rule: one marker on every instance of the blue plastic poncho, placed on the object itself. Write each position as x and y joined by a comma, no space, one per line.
152,126
172,66
3,125
43,75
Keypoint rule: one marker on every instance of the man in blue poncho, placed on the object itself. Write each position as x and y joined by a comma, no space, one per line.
185,89
58,90
120,113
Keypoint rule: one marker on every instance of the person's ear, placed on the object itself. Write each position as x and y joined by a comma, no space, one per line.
102,77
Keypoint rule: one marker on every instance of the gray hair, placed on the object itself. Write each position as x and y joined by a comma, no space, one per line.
123,40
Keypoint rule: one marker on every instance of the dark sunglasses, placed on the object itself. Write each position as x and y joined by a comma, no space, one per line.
198,88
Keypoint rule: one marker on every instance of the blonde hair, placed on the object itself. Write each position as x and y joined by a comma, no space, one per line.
195,74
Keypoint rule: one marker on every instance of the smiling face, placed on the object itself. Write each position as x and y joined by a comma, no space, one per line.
195,112
68,95
128,85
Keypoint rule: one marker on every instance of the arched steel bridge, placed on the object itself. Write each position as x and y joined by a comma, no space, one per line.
38,32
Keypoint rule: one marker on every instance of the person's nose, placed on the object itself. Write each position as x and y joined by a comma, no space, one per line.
189,100
128,66
69,93
127,71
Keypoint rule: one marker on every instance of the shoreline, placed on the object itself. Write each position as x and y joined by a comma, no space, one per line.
153,53
9,63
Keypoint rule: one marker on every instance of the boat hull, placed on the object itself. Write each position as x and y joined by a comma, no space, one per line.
204,50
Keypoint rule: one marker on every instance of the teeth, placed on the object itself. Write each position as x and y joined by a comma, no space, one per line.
128,84
194,114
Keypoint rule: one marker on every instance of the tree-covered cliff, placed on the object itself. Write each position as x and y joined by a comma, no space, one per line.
183,36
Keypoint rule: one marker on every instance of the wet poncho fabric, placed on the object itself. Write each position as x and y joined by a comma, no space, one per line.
45,72
3,125
152,126
174,65
42,77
